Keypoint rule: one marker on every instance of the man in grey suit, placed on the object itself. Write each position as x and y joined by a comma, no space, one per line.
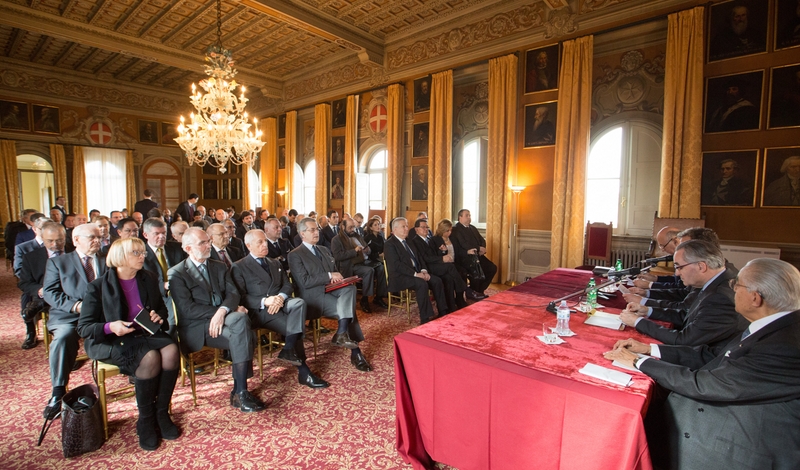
159,258
65,281
711,318
37,220
735,406
206,304
351,254
266,291
313,268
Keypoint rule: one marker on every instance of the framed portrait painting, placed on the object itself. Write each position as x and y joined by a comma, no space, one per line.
337,184
281,157
14,116
422,94
787,24
46,119
729,178
420,140
339,113
737,28
541,69
540,127
419,183
148,132
733,102
168,133
282,126
337,150
781,187
784,99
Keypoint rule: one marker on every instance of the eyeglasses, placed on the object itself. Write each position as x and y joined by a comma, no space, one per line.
678,267
91,237
312,230
138,253
665,245
733,283
129,230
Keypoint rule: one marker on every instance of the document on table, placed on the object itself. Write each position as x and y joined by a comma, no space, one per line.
605,320
606,374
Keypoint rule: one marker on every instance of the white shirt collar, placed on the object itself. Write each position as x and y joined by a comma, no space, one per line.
762,322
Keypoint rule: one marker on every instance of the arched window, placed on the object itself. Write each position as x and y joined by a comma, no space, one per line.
106,179
163,177
371,186
298,191
469,180
309,186
35,183
623,177
254,189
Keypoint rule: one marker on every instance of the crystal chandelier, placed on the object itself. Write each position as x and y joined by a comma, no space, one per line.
219,132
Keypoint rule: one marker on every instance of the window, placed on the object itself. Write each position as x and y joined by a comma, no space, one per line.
371,186
469,180
105,179
35,183
254,189
163,177
623,177
309,185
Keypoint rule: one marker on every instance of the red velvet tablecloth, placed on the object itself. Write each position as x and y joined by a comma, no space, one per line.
477,390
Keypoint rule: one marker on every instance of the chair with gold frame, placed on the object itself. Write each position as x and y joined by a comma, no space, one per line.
397,299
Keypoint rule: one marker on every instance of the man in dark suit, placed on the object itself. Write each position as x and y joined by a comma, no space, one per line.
245,225
324,231
266,291
440,265
18,232
736,405
279,248
352,256
106,238
65,280
711,318
114,219
233,241
467,241
61,206
186,208
220,248
37,221
147,204
159,258
332,229
408,270
206,302
313,268
31,276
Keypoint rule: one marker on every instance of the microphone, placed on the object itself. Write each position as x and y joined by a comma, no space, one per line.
655,261
624,272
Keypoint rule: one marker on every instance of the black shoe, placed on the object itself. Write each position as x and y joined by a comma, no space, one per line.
30,341
246,402
343,340
290,356
380,303
264,340
365,305
52,408
313,381
360,362
472,295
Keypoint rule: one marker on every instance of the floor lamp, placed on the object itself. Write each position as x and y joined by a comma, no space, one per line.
513,245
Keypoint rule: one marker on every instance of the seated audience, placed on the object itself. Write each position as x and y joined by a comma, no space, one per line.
439,264
352,256
468,242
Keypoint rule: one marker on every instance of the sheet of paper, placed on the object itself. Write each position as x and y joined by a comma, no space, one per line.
624,289
606,320
604,373
623,366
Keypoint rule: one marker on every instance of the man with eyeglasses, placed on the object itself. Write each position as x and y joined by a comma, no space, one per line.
128,228
711,318
65,281
159,257
221,250
238,243
736,405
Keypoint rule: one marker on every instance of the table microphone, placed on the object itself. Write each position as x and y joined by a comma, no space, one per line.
654,261
624,272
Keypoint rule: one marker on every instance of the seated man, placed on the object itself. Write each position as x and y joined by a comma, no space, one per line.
735,405
466,242
28,303
220,248
407,270
279,248
65,281
439,264
351,254
313,268
711,318
265,291
234,242
206,302
159,258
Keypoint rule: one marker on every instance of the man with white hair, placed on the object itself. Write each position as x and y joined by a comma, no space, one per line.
785,191
65,281
735,405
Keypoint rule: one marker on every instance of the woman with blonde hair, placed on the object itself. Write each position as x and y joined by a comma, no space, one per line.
441,239
106,322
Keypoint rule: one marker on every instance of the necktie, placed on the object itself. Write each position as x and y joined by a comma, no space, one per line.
335,229
263,264
224,258
88,268
53,254
204,272
746,333
411,253
317,253
162,262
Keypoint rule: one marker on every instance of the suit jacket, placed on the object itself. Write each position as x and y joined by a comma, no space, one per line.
464,239
63,213
32,271
105,302
20,250
326,236
375,244
144,206
254,283
345,254
65,285
239,245
233,253
430,252
241,230
281,252
186,212
733,406
712,318
173,255
16,233
196,302
400,266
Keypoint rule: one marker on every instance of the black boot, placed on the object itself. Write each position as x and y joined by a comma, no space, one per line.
146,390
30,335
166,385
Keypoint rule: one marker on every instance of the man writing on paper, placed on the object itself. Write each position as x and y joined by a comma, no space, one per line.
733,406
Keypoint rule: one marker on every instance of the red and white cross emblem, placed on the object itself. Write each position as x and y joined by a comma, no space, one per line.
100,133
377,118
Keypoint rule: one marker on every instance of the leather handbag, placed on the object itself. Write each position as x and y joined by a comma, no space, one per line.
81,421
475,270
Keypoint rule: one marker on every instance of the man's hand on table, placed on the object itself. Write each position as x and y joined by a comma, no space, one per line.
627,351
632,298
641,283
632,313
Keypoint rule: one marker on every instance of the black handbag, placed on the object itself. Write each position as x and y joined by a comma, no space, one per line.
81,421
475,270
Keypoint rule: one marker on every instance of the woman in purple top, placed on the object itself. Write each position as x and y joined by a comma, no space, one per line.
107,324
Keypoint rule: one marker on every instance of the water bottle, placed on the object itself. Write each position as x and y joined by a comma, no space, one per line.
591,294
618,267
562,314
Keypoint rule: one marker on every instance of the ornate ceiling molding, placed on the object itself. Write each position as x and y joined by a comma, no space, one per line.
560,23
594,5
332,79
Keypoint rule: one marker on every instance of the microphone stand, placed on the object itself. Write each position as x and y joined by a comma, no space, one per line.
551,307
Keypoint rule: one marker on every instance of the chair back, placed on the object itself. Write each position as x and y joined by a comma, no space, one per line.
598,241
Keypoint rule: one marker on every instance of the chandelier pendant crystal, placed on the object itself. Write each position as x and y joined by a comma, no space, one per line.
219,130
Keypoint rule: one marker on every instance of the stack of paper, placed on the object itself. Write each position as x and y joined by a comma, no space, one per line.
605,320
608,375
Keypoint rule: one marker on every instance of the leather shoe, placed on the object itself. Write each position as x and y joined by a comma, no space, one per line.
360,362
365,305
343,340
52,408
290,356
246,402
380,303
30,341
313,381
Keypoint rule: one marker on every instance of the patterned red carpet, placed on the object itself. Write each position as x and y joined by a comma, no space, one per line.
347,426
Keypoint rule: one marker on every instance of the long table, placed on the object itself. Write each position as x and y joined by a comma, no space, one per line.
477,390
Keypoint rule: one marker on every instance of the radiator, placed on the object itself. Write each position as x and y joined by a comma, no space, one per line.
630,258
740,255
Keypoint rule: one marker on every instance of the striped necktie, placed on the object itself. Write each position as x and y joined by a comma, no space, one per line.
88,268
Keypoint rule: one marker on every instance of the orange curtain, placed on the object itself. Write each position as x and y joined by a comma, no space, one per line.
59,171
322,126
291,157
501,160
395,149
246,203
130,178
9,197
572,146
681,157
440,148
351,154
79,183
269,164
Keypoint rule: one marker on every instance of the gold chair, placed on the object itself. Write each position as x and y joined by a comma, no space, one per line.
272,345
406,296
100,372
44,316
